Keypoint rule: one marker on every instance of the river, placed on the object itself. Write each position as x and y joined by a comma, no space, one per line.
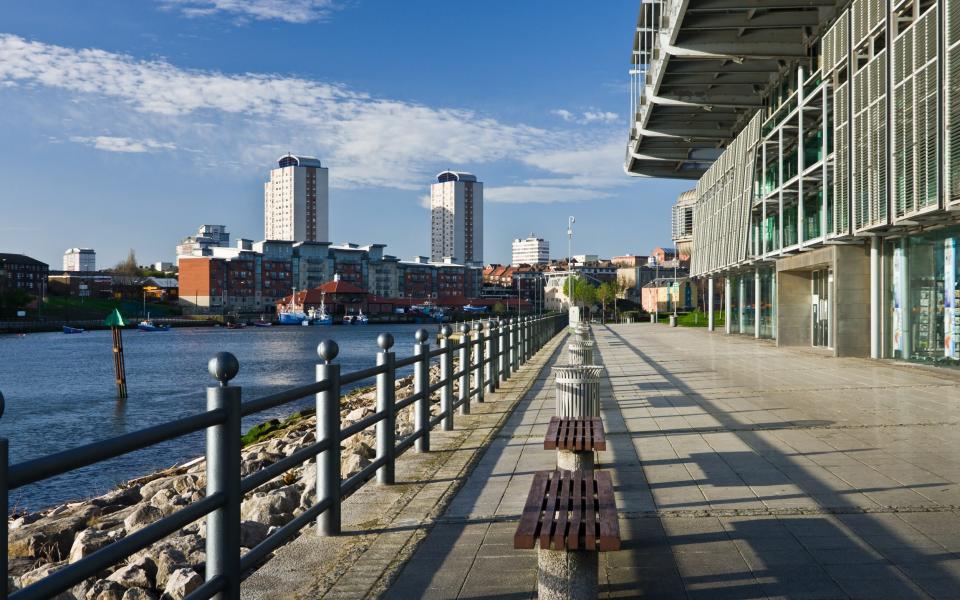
60,392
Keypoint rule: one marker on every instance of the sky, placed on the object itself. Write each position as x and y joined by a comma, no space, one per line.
128,124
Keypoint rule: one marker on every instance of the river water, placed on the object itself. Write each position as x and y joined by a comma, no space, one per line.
60,392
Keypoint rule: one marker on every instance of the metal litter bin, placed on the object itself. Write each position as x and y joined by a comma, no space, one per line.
580,352
578,390
673,320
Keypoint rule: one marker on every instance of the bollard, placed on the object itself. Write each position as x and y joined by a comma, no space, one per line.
421,386
521,341
478,351
446,376
223,477
328,428
527,338
386,404
578,390
514,327
493,378
465,369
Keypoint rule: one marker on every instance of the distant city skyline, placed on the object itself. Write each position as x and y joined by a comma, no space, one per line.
172,119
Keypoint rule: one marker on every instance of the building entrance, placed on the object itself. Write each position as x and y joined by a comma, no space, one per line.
821,293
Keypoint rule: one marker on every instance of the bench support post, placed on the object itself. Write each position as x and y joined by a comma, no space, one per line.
567,574
572,460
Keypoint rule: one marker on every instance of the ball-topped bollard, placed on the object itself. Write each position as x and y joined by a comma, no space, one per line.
446,330
385,341
465,328
224,367
421,335
328,350
3,404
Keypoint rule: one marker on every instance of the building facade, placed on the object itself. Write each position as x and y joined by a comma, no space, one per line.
456,218
531,251
827,180
80,259
296,201
203,242
21,272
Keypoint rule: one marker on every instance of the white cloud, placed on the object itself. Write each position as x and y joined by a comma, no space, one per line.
587,117
291,11
246,120
425,201
600,116
109,143
540,194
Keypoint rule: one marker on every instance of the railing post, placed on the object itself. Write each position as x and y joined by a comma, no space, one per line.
223,477
465,369
493,377
515,345
527,338
386,404
521,341
328,428
479,352
421,386
503,352
446,376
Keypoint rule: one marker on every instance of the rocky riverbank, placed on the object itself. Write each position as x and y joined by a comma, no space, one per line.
43,542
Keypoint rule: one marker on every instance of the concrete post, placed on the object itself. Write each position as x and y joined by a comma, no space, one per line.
567,574
446,376
710,304
728,311
465,369
875,245
493,378
421,383
756,304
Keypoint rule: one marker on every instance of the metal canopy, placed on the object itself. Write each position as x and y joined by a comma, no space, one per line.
702,68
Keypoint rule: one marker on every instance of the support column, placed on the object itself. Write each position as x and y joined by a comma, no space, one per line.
875,297
727,296
756,304
710,304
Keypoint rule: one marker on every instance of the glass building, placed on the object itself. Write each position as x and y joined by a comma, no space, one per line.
824,139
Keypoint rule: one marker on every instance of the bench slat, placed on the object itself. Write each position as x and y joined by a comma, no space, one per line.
573,537
590,535
599,438
530,520
609,526
548,520
550,441
563,509
579,435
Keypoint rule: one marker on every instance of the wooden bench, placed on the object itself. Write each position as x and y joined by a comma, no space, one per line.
575,440
569,517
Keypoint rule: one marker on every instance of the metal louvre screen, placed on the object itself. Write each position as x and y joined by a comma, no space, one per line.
952,101
870,145
915,97
724,197
841,157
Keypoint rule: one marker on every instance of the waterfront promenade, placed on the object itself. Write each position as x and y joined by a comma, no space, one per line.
741,471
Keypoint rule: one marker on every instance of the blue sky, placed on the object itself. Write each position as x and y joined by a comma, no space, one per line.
128,124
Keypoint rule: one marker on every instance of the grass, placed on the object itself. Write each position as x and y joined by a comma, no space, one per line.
67,308
696,318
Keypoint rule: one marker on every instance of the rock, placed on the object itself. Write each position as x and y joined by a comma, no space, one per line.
167,560
47,539
168,501
180,583
127,496
104,589
87,542
139,594
252,533
187,484
358,413
274,508
131,576
150,488
352,464
39,573
144,515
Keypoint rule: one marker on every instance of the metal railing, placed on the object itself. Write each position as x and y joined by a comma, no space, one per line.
487,357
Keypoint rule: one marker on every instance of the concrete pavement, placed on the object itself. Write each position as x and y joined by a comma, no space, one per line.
741,471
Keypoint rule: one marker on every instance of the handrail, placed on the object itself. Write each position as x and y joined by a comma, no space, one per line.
488,356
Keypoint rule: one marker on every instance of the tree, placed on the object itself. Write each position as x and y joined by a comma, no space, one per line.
579,291
128,266
499,308
607,292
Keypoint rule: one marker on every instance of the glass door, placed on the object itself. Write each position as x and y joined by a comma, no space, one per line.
822,290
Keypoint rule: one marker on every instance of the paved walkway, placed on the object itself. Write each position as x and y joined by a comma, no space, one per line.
741,471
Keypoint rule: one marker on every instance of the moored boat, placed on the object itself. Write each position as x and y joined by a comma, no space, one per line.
148,325
68,329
